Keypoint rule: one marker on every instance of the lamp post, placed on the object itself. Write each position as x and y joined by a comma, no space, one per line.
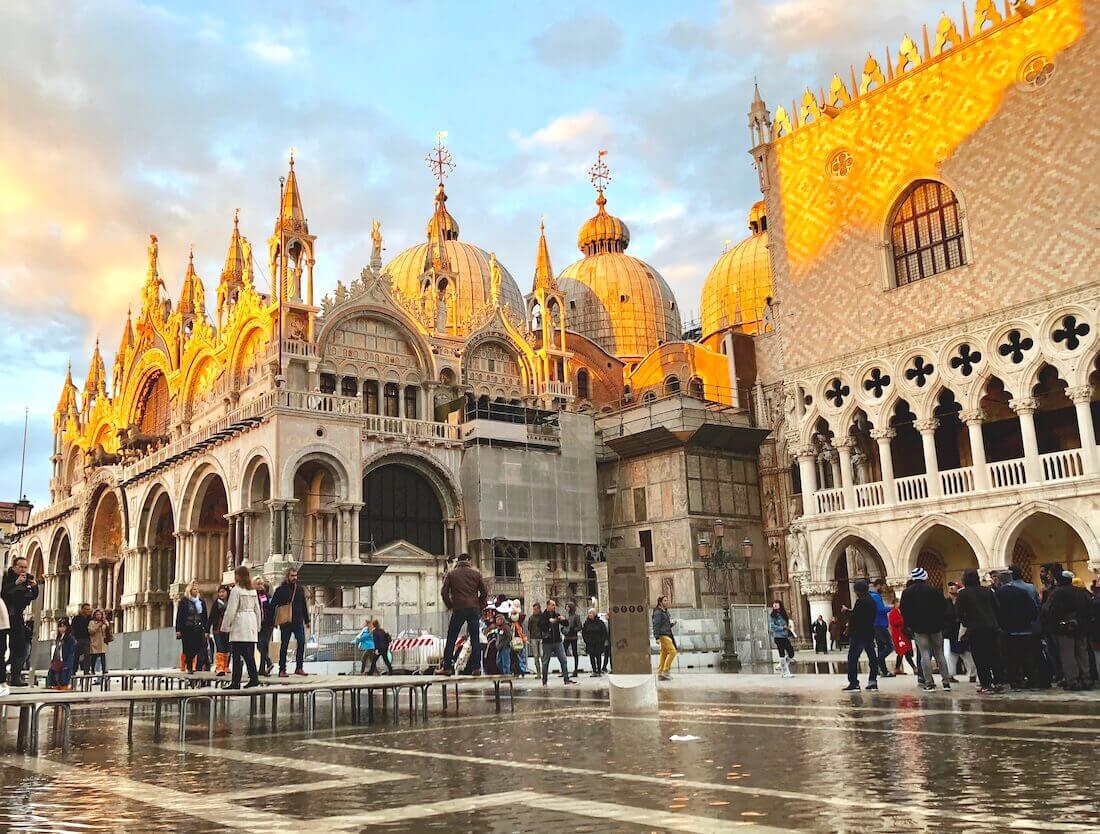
23,512
717,558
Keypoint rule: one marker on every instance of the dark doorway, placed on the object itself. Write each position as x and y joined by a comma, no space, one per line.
400,503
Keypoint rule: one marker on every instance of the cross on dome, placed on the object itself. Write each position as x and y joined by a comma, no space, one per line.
600,174
440,160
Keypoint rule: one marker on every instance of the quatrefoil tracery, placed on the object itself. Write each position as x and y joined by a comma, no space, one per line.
1015,346
1071,332
877,382
966,359
837,392
919,371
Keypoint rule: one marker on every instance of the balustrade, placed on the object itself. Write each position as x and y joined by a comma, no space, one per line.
913,488
829,500
870,495
1060,466
957,481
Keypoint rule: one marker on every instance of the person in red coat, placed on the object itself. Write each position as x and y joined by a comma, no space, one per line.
903,646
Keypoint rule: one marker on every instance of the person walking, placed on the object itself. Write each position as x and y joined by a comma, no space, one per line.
242,625
779,624
662,630
192,623
217,632
267,625
291,615
365,643
551,623
820,632
594,632
534,637
924,609
464,594
382,642
883,644
976,609
1067,613
18,589
59,674
97,642
861,637
903,646
571,635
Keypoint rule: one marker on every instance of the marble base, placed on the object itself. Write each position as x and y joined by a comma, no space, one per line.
633,694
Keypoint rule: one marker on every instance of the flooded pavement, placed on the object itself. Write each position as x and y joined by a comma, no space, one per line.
763,759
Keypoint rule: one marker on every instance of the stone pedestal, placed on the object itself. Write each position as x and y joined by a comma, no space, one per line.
632,694
820,595
532,574
600,569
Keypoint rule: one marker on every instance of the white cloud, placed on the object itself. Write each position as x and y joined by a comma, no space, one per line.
271,52
566,132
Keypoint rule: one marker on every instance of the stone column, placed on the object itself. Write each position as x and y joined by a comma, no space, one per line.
820,596
882,437
600,569
833,460
807,471
1081,396
927,429
844,449
1025,409
247,518
532,574
974,420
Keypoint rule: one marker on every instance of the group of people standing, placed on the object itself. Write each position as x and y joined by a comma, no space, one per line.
240,623
1004,633
511,637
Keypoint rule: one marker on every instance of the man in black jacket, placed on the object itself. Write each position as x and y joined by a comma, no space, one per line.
1018,618
923,607
18,590
290,593
861,634
1067,613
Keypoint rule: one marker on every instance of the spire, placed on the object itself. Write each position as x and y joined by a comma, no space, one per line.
234,269
193,294
760,120
127,336
96,383
441,228
291,215
544,273
67,402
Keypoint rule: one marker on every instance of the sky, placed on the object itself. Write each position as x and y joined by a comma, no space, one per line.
119,119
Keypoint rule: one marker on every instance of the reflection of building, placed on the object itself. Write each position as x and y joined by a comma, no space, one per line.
932,374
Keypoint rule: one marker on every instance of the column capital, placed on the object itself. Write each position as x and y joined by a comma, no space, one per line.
1024,405
972,416
884,434
805,451
845,444
821,590
927,426
897,582
1079,394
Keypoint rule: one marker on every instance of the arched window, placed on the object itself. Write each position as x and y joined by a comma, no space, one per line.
370,396
390,396
410,401
582,384
400,503
672,385
926,233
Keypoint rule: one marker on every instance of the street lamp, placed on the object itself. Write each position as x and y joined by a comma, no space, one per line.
23,512
716,558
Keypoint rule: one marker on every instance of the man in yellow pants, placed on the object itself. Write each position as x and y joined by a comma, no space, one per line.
662,630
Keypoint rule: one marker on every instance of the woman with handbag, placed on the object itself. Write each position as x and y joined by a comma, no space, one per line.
241,624
97,646
60,672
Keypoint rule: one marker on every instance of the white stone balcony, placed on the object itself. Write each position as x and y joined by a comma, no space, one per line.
1050,468
556,388
430,431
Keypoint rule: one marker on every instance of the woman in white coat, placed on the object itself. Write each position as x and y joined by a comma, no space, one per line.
242,621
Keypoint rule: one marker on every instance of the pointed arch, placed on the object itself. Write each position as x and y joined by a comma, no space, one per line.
1010,529
826,557
917,535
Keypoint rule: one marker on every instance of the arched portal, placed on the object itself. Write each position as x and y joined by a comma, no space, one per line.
36,566
147,583
204,534
401,503
105,544
315,533
255,494
945,554
58,579
1046,539
853,558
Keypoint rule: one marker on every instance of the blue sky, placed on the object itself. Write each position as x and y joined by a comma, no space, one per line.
120,119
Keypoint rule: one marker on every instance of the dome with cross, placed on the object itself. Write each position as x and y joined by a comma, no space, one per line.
736,291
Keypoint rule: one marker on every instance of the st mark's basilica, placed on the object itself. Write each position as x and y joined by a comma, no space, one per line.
897,366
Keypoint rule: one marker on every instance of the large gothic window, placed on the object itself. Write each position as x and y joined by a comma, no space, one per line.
400,503
155,413
926,233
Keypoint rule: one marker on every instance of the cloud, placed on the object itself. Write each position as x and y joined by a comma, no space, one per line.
566,132
272,53
579,43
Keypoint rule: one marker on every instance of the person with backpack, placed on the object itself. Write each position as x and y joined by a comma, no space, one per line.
381,647
365,643
1017,616
1068,617
924,609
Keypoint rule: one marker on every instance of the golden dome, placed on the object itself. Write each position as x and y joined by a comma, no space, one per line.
603,232
619,302
471,266
736,290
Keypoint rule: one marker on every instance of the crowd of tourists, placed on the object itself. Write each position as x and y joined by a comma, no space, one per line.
503,639
999,634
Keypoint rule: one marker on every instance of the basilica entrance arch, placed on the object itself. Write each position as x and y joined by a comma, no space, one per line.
105,540
147,584
58,579
401,502
203,540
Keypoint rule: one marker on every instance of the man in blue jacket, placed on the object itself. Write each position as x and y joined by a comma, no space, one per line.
883,642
